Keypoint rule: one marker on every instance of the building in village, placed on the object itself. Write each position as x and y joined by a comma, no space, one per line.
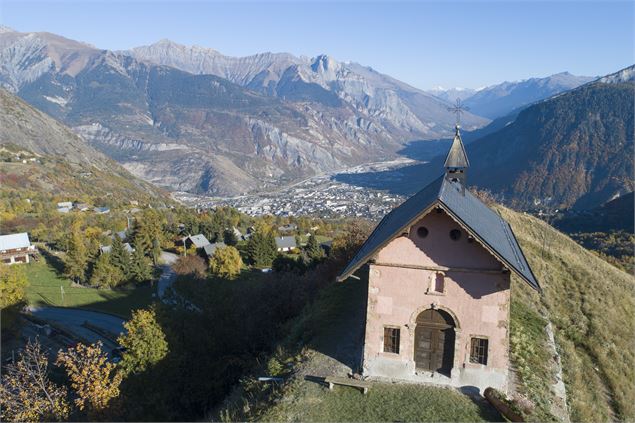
439,271
210,249
16,248
285,243
198,241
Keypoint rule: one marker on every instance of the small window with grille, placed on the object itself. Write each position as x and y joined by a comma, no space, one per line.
391,340
478,351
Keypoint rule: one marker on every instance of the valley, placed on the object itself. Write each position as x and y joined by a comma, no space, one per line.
321,196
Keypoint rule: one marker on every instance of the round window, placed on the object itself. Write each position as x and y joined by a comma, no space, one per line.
455,234
422,231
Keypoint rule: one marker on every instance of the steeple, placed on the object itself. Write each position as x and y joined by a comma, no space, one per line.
456,163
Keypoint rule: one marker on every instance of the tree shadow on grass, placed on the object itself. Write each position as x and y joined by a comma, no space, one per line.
52,260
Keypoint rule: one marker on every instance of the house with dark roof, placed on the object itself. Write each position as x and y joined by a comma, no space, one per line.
210,249
438,269
285,243
198,241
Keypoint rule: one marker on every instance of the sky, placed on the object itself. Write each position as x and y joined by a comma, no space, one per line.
424,43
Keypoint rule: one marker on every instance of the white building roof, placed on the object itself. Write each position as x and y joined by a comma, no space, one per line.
13,241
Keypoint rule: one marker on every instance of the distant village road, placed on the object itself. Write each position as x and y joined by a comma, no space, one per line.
73,319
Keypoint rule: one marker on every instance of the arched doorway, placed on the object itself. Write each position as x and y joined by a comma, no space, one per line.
434,341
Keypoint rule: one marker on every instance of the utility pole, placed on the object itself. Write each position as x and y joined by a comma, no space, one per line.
62,292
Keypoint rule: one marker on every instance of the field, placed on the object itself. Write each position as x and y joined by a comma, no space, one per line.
44,290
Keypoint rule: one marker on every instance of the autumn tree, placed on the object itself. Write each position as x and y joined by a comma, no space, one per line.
347,242
144,342
13,282
190,265
27,394
105,274
226,262
93,379
77,254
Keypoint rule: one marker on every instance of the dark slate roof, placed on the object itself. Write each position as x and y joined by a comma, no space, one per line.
199,240
285,242
483,223
457,158
210,249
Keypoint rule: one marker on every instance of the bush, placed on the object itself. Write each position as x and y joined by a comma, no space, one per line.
190,265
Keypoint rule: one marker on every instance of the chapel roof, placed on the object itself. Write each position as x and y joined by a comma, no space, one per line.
485,225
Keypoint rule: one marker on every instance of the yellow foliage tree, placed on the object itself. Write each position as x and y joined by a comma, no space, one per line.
93,379
27,394
13,281
226,262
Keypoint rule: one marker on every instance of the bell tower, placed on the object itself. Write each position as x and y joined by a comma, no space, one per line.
456,163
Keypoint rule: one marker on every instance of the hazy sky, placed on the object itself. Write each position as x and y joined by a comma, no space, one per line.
424,43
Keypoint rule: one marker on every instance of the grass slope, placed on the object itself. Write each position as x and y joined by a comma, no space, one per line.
591,305
44,290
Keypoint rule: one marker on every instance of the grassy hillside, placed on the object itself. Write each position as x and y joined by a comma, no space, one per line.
588,302
591,305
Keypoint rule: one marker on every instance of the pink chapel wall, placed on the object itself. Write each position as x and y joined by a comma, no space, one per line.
476,294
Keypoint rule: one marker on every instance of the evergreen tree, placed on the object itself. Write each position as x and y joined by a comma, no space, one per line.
77,255
105,274
120,257
229,237
140,269
261,248
313,250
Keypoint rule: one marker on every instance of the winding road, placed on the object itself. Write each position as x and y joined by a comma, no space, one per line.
74,318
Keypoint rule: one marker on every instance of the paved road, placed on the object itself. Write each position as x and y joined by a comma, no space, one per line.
167,275
73,318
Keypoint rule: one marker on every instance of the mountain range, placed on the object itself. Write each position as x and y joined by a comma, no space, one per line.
188,118
501,99
574,149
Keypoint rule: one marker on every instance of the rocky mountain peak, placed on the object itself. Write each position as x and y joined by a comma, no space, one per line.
624,75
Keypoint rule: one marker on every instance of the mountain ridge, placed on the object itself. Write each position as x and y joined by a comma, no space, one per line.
226,138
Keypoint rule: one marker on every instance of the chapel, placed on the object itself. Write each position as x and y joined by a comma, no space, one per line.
439,268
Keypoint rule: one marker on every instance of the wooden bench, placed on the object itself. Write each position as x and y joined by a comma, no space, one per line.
344,381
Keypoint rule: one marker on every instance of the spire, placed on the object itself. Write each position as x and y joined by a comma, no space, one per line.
457,158
456,163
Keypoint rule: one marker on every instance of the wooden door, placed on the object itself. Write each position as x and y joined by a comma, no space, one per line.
434,342
429,348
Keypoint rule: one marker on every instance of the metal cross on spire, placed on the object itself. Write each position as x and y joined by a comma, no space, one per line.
457,109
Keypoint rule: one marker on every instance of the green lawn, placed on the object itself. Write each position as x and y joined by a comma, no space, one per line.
44,289
383,403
